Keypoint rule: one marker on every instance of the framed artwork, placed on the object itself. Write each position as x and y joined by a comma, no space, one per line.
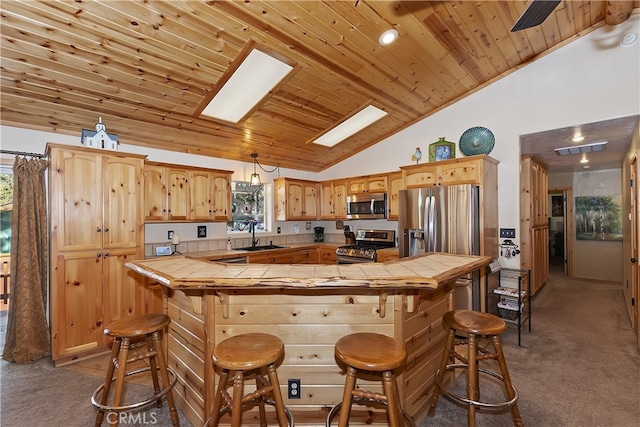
598,217
442,150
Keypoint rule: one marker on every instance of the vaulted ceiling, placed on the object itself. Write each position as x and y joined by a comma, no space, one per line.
147,67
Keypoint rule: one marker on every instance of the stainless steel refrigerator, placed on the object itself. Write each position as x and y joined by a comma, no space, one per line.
443,219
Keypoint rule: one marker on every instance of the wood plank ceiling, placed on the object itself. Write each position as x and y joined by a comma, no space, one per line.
146,66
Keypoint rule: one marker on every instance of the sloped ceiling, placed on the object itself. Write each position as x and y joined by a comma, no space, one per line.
145,67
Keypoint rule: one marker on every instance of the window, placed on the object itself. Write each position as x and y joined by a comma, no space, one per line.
6,209
247,205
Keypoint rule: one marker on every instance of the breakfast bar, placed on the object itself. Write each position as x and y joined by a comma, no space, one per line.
309,307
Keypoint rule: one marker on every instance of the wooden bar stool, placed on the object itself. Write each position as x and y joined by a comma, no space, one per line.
474,324
248,356
376,354
146,328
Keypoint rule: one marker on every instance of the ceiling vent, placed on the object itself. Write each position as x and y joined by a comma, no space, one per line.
579,149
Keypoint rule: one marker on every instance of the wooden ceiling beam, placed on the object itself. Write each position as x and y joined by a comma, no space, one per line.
618,12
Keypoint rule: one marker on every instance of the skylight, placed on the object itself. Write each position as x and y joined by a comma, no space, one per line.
258,74
354,124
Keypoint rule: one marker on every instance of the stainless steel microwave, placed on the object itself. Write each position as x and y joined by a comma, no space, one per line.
367,206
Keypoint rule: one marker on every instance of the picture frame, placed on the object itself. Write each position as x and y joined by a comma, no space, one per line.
442,150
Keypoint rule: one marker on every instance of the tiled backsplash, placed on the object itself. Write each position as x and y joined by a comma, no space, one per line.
201,245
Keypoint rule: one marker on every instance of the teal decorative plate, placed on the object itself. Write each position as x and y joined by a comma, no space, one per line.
477,140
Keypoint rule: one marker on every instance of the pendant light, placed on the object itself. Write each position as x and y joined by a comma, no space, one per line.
255,178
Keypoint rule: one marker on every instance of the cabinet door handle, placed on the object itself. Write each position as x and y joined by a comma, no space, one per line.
106,254
99,255
98,229
106,230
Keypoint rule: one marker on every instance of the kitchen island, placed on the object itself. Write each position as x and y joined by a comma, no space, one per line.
309,307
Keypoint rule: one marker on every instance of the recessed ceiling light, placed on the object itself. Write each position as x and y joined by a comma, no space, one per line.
388,37
577,149
354,124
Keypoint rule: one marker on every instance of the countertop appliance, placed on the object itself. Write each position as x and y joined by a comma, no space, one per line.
366,246
443,219
367,206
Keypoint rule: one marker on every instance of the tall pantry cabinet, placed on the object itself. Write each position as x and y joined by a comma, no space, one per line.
534,221
97,224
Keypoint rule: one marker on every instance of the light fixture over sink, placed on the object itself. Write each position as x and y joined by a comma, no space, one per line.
255,177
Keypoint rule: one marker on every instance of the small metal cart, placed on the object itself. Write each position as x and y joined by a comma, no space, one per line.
511,303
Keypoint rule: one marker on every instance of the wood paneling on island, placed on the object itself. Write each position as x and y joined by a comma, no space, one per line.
309,307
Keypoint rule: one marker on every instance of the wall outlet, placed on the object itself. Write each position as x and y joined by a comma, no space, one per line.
170,234
279,230
508,233
293,390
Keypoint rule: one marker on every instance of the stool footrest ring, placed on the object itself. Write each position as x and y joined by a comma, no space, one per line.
337,406
156,396
475,403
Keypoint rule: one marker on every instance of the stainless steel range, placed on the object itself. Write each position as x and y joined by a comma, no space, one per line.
366,246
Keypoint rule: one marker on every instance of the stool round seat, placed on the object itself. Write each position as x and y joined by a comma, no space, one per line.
366,353
243,357
248,351
137,326
474,322
371,352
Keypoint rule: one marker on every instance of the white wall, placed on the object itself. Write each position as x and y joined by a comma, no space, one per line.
591,79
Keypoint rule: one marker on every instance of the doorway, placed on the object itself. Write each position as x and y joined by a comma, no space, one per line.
560,230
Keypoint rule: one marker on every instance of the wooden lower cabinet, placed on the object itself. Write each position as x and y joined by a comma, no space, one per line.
309,322
92,289
328,254
306,256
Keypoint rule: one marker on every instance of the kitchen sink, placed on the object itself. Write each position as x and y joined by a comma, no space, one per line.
260,248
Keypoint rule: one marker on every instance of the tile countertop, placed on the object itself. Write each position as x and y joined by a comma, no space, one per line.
427,271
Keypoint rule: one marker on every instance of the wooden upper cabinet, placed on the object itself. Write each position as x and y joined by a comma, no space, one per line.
155,192
395,182
76,199
367,184
201,196
178,196
95,198
180,193
465,170
333,199
123,199
222,197
295,199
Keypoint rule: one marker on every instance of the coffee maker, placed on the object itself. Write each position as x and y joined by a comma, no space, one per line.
319,234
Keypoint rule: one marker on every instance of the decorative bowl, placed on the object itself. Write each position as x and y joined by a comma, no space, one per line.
477,140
